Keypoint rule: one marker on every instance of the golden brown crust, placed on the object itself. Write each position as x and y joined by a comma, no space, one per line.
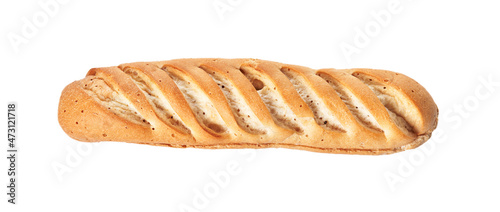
249,103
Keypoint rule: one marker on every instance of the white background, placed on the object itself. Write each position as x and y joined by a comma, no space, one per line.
447,46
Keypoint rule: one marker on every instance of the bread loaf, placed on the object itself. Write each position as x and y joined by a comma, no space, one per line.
249,103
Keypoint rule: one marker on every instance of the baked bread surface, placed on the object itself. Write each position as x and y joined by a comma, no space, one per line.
249,103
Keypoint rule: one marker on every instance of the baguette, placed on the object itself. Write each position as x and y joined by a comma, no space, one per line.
249,103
